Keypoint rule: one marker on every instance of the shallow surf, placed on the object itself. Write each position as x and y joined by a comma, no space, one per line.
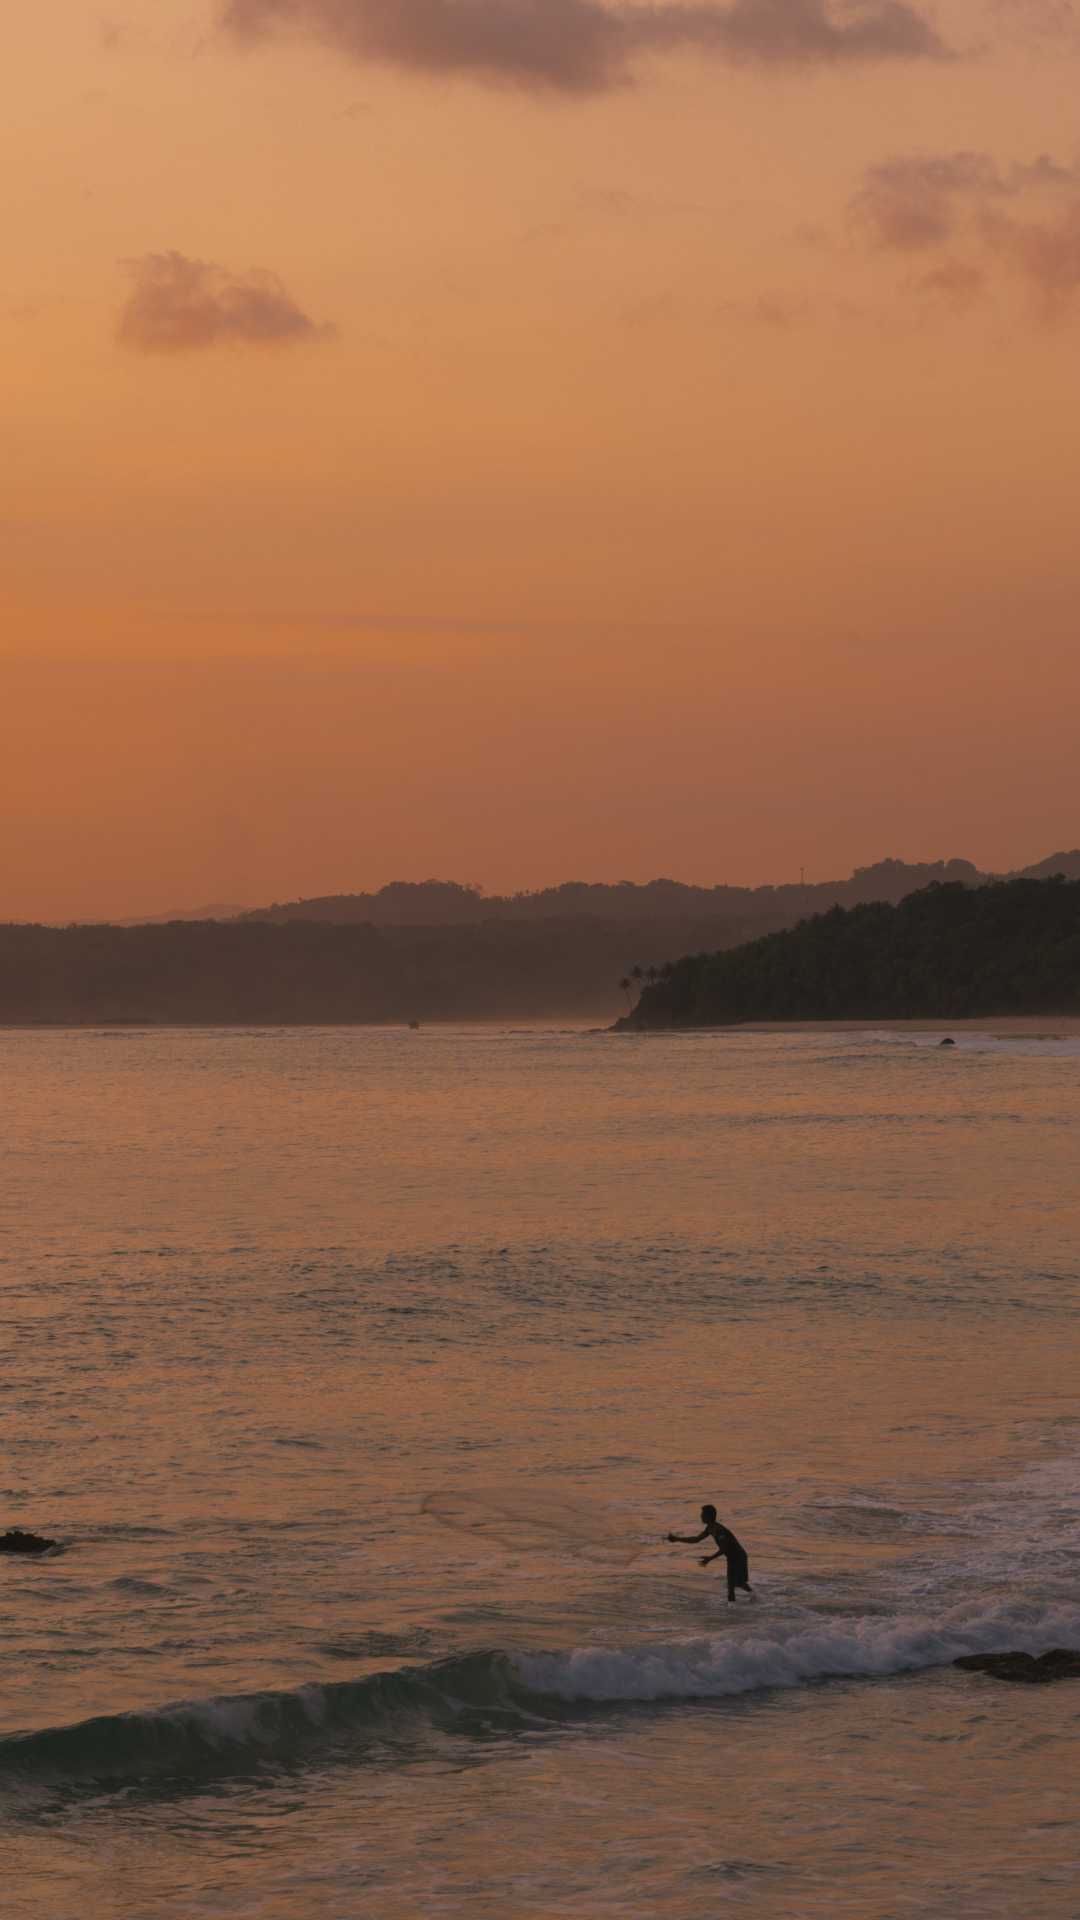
260,1303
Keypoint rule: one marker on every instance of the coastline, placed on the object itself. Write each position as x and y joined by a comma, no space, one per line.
1032,1025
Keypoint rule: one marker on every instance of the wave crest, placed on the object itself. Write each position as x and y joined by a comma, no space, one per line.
235,1734
830,1649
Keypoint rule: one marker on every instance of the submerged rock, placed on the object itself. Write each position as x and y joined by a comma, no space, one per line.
946,1043
16,1541
1061,1663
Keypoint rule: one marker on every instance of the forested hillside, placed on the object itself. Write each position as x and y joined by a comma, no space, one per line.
245,971
947,952
951,948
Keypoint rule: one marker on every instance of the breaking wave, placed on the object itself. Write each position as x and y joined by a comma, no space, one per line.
239,1734
832,1648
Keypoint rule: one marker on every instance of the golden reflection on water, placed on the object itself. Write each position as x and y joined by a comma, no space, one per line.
262,1297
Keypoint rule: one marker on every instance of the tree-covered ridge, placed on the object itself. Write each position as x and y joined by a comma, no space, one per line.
445,903
260,972
317,972
948,952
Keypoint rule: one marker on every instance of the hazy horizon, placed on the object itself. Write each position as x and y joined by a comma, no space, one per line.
137,784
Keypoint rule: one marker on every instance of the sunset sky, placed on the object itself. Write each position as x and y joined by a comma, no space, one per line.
527,439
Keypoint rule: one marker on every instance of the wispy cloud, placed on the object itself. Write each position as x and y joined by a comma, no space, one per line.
1037,21
955,282
1026,218
919,200
177,305
1046,252
914,200
584,46
792,33
570,45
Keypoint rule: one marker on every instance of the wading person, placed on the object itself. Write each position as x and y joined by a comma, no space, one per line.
727,1548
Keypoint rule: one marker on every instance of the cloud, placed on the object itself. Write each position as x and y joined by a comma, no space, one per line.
1046,252
1027,218
569,45
792,33
177,305
584,46
955,282
1039,20
911,201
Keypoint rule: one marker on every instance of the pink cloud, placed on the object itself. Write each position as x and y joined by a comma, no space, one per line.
1027,218
177,305
582,46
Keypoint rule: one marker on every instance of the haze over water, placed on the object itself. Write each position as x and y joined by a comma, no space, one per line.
265,1294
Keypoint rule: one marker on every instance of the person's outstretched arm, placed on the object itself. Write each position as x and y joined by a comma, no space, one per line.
688,1539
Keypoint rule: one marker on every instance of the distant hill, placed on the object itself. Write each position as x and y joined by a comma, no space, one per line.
1067,864
431,951
443,903
243,972
217,912
947,952
447,903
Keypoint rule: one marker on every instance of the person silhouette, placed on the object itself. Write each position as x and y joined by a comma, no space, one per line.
727,1548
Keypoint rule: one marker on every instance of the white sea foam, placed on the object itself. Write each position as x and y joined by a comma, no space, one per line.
1038,1045
745,1660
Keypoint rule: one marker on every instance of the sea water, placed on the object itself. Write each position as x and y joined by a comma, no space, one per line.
361,1375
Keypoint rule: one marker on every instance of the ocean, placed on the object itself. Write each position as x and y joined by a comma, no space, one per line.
361,1375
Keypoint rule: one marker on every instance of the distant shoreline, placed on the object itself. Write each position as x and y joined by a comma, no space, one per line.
513,1023
1047,1026
1005,1023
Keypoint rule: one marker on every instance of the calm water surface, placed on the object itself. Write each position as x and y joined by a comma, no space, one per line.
361,1374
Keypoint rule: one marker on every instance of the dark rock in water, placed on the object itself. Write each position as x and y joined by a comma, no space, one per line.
946,1043
1062,1663
16,1541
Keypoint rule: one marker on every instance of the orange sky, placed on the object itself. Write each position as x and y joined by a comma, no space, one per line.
522,439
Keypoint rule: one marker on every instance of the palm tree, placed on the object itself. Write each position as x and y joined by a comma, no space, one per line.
624,987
